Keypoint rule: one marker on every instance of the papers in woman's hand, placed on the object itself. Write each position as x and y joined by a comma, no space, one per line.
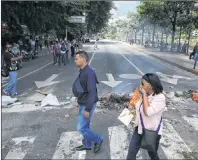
126,117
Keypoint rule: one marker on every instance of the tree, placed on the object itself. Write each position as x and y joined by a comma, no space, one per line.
98,14
151,12
44,16
175,10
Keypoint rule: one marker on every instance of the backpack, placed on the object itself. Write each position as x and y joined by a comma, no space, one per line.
63,47
13,64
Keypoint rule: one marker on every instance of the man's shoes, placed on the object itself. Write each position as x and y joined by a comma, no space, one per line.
6,93
97,146
82,148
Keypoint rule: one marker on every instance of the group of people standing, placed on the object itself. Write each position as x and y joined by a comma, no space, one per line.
62,51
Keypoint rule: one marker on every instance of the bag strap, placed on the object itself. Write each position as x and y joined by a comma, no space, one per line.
142,123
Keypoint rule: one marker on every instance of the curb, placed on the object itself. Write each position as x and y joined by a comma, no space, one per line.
172,63
177,65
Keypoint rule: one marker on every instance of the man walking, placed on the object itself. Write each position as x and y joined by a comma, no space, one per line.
195,55
84,88
62,55
56,52
11,65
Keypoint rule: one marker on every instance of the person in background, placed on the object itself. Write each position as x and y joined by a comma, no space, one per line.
16,52
72,48
149,110
56,52
68,51
40,42
62,55
11,64
193,52
84,88
20,43
195,55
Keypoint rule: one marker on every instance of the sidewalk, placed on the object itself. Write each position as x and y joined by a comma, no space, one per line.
179,60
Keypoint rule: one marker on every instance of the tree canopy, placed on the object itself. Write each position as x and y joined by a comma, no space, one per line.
44,16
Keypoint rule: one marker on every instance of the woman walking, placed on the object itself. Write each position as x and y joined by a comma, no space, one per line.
149,109
195,55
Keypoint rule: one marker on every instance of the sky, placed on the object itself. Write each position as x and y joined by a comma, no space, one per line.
123,7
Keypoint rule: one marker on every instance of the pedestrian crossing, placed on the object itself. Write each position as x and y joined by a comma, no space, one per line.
171,144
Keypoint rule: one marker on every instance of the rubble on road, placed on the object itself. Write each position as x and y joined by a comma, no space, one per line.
51,100
174,100
114,101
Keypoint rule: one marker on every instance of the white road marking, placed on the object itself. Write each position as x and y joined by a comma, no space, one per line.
32,107
66,146
132,64
111,81
130,76
19,151
193,121
170,79
91,58
51,78
171,143
119,142
47,82
31,72
110,77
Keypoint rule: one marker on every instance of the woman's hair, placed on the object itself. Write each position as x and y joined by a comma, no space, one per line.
154,81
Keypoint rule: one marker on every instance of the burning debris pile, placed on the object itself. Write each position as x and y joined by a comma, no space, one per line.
120,101
114,101
190,94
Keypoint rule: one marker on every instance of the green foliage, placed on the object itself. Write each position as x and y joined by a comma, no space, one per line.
44,16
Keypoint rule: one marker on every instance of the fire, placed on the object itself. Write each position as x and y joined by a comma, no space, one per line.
195,96
134,98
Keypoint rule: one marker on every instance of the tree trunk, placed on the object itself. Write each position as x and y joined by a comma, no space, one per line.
135,37
161,43
189,35
180,36
153,38
173,38
127,36
143,35
166,38
173,31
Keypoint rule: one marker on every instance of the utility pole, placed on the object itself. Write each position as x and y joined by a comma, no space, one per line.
66,33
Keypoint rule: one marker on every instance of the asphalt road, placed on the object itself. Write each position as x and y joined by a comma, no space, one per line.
47,134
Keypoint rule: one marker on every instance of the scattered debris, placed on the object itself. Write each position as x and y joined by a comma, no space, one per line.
73,99
114,101
41,92
67,116
178,94
50,100
170,95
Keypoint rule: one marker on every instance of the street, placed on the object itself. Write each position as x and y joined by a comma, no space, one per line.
33,132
